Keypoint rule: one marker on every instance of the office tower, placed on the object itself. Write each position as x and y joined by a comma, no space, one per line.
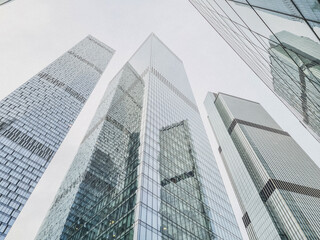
35,118
275,181
275,39
145,169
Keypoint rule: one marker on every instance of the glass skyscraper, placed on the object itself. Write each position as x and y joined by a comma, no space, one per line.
35,118
145,169
280,42
275,181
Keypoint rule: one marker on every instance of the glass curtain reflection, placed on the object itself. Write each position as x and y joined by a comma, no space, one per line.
179,208
145,169
98,196
279,40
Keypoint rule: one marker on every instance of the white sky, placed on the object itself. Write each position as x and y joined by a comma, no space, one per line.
33,33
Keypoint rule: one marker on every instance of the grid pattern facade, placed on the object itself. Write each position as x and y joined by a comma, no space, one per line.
275,181
161,181
98,196
280,41
35,118
178,173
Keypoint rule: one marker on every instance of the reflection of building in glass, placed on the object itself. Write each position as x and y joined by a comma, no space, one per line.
276,182
298,85
98,196
252,27
35,118
179,176
145,169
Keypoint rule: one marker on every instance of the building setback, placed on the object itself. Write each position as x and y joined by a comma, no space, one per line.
35,118
145,169
275,181
280,41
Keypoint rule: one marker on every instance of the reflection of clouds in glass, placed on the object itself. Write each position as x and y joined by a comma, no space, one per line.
297,10
278,16
278,24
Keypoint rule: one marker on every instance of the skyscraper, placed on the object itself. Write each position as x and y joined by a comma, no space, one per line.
145,169
275,181
35,118
275,38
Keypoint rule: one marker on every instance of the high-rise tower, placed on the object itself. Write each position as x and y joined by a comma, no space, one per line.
145,169
35,118
276,182
279,40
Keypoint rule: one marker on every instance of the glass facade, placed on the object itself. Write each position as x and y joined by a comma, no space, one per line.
35,118
275,181
179,175
279,40
145,169
4,1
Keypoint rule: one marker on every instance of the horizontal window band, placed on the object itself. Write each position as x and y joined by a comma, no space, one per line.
274,184
246,220
173,88
128,95
101,45
86,62
62,85
114,105
267,190
239,121
117,124
28,143
177,178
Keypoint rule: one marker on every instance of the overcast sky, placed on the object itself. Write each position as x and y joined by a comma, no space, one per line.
33,33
